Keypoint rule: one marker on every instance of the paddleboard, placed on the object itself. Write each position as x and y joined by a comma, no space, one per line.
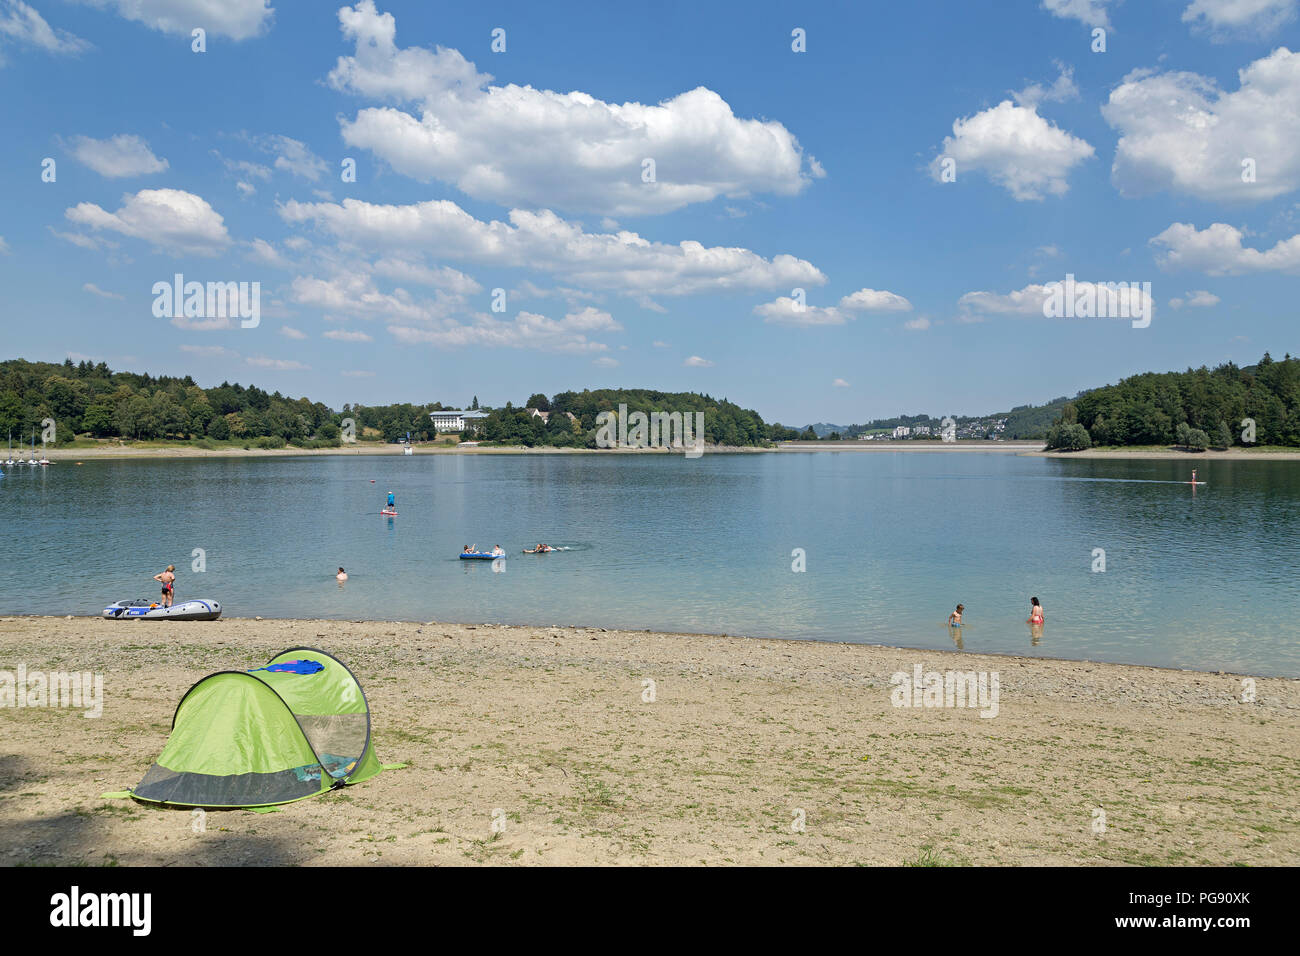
389,513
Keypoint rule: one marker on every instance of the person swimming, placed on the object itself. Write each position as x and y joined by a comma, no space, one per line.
1035,611
168,581
342,575
498,550
954,619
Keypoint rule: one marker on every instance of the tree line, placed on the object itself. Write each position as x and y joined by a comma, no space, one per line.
87,398
1197,409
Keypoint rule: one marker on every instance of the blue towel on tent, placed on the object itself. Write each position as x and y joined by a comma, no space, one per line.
292,667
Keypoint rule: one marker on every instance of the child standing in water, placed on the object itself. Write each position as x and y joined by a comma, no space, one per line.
954,619
1035,611
168,581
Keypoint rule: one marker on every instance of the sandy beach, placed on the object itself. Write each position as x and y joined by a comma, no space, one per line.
550,729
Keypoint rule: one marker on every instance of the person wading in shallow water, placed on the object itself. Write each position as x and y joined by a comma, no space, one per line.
168,581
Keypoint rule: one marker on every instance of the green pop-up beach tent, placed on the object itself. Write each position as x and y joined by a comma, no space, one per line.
295,728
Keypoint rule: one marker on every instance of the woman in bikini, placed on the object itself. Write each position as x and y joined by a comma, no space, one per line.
1035,611
168,581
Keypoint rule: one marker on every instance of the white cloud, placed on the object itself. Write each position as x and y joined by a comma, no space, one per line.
21,24
873,300
1218,250
117,157
1029,301
1199,299
786,311
261,361
4,247
354,293
245,189
262,251
517,145
696,362
209,351
235,19
289,332
527,330
1016,148
605,361
624,261
1090,12
918,324
96,290
172,220
1060,91
1226,19
839,383
442,277
1179,132
660,344
343,335
358,373
295,157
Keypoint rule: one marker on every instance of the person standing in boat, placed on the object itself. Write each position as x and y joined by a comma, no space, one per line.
168,581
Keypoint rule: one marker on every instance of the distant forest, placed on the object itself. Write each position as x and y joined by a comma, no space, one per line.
86,398
1197,409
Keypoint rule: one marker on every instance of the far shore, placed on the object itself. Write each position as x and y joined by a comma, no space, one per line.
1032,449
609,747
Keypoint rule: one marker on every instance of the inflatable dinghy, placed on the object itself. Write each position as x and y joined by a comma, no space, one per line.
479,556
143,610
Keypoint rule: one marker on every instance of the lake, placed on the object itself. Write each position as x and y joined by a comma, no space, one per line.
1203,578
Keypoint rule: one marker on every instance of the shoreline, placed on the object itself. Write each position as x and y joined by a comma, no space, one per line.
1023,449
552,726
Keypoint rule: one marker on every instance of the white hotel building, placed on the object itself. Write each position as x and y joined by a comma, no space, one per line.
456,420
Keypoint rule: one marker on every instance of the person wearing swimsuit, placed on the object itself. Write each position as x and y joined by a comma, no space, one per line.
954,619
1035,611
168,581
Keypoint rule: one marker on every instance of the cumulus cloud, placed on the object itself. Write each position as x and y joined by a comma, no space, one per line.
517,145
234,19
439,277
1219,250
261,361
21,24
1229,19
873,300
1016,148
343,335
1090,12
1199,299
96,290
696,362
171,220
918,324
289,332
623,261
605,361
786,311
1062,90
117,157
354,293
527,330
1179,132
1029,301
839,383
294,157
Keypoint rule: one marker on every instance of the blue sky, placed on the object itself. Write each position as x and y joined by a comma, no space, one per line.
774,170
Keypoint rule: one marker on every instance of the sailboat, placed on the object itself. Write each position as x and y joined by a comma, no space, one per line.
10,459
408,450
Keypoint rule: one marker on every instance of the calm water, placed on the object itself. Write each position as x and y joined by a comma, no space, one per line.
892,541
